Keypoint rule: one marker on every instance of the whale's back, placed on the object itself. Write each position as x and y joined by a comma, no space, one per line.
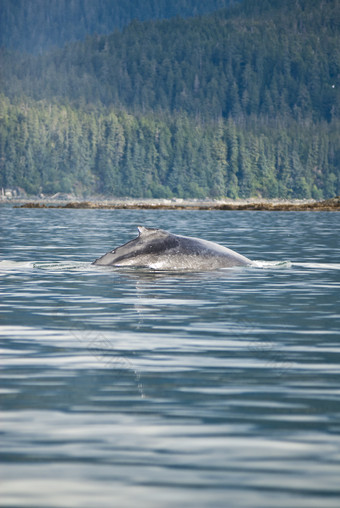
161,250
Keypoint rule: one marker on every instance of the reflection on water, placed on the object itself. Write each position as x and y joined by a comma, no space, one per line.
135,388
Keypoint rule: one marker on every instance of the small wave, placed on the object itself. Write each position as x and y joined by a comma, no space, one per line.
318,266
273,265
8,265
62,266
289,264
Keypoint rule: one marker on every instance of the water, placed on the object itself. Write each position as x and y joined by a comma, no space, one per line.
133,388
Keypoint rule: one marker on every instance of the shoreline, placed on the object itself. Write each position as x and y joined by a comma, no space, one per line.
332,204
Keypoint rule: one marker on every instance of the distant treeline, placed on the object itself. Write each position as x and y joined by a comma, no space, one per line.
50,148
282,61
38,25
240,103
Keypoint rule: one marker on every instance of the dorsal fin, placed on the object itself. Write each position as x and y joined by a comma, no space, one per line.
145,231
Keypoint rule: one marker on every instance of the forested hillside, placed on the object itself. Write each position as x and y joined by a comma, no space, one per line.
243,102
54,148
37,25
282,61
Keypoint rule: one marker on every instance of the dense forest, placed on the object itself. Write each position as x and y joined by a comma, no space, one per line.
49,148
38,25
243,102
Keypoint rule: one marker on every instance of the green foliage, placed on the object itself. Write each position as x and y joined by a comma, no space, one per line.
241,103
37,25
279,61
53,148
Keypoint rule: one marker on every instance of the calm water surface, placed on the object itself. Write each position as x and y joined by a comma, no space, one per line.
122,389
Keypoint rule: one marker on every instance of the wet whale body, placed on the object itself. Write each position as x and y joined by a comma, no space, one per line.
160,250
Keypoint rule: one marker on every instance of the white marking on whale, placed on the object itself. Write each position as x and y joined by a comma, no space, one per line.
160,250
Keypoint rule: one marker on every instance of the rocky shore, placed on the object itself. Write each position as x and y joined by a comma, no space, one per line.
179,204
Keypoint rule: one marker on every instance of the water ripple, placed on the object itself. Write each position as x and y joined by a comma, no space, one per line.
169,389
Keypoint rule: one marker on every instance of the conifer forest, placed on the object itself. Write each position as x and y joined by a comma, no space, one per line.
186,99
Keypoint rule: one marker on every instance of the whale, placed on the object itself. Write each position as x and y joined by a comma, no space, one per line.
157,249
